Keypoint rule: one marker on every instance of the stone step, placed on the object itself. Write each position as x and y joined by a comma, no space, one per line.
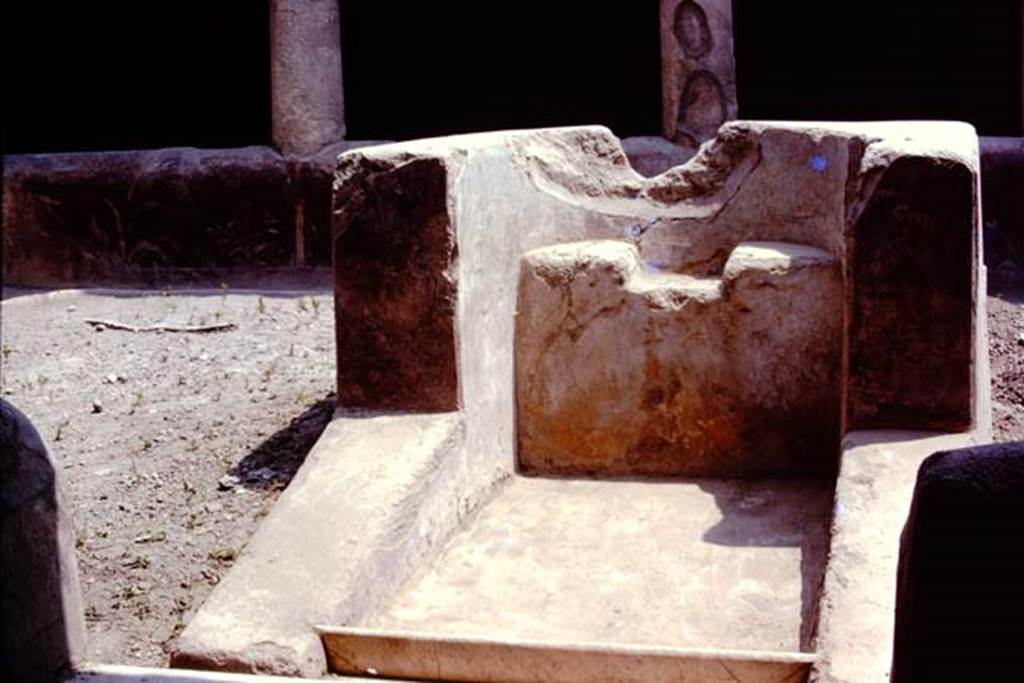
426,657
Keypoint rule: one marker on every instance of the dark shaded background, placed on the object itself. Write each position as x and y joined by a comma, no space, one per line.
123,75
445,68
872,59
110,74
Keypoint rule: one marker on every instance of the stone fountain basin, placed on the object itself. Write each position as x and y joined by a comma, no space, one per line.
798,300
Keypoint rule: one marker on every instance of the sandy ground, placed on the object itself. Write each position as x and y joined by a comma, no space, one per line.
175,445
1006,353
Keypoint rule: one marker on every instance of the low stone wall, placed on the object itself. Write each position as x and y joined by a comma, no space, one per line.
177,215
624,370
1002,177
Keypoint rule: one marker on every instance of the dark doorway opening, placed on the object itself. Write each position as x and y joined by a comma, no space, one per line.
433,68
127,75
878,59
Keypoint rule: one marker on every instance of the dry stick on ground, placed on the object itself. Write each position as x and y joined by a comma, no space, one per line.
223,327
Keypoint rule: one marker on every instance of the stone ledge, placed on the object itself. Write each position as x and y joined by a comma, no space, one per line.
106,673
374,496
409,655
856,622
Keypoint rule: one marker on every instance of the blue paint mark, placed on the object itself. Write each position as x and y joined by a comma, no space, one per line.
654,266
819,163
634,231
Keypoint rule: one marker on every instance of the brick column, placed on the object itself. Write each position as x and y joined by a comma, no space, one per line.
305,75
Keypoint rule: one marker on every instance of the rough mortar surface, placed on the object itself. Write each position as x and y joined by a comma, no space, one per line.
624,369
713,563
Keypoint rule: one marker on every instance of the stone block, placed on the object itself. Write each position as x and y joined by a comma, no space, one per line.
961,572
623,370
42,628
394,260
912,276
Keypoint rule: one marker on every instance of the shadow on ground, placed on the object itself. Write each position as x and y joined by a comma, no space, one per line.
275,461
795,513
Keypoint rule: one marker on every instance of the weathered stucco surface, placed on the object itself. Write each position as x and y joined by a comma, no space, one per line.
712,564
437,310
622,369
505,194
653,155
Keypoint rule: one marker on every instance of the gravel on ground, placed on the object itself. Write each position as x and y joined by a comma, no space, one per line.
173,445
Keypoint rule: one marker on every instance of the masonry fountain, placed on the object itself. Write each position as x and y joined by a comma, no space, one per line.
594,426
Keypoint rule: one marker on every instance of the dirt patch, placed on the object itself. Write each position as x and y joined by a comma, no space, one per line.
1006,352
173,445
